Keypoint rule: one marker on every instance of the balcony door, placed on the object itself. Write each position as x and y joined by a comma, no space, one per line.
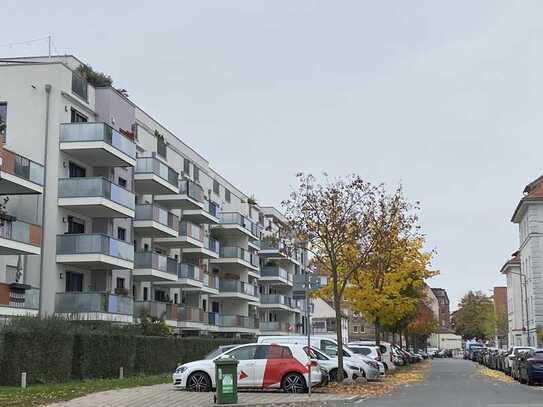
75,225
76,171
74,281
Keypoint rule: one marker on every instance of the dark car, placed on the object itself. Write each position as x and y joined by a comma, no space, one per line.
530,367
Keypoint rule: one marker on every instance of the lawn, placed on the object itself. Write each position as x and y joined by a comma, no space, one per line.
41,394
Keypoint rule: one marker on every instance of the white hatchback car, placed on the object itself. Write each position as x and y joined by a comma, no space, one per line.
330,365
271,366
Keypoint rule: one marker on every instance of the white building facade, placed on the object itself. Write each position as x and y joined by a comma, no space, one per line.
516,300
134,220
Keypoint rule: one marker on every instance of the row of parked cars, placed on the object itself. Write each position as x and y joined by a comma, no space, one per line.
523,363
287,362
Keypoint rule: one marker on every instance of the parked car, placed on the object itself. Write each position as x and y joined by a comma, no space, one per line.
386,352
282,366
328,346
330,365
372,352
530,366
511,354
516,360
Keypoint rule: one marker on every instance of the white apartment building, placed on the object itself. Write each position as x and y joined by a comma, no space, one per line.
516,300
529,216
134,220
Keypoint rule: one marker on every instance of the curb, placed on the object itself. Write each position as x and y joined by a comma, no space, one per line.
319,403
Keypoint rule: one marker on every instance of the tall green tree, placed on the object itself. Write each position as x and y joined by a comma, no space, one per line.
475,318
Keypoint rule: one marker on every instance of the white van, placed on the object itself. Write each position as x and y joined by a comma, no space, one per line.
329,347
386,352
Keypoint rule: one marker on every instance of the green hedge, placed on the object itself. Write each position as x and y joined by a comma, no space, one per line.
57,350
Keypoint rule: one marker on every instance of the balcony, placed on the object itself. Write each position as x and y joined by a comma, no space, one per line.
234,323
279,328
191,317
95,197
156,309
190,196
233,224
209,250
210,283
153,221
97,144
275,275
152,176
187,275
18,237
208,216
237,256
19,175
94,306
237,289
94,252
190,235
272,248
18,299
276,301
149,266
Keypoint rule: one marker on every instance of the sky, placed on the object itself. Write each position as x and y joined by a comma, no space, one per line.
444,97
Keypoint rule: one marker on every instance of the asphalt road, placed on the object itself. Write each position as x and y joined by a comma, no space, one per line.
455,383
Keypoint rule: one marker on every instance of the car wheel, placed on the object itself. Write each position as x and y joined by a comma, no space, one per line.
529,381
198,381
333,375
293,383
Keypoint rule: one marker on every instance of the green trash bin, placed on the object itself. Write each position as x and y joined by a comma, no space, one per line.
226,377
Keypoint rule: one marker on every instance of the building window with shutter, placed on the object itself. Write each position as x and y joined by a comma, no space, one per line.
186,167
196,173
216,188
227,196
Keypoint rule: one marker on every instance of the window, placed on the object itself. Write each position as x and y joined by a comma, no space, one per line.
329,348
355,329
175,298
227,196
120,282
121,233
186,166
11,274
3,120
216,187
122,182
79,86
196,173
161,148
77,117
75,225
145,293
361,351
278,352
245,353
76,171
74,281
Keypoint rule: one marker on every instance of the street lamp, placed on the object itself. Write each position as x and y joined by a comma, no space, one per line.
527,327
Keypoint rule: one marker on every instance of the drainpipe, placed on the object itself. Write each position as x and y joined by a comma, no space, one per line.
47,103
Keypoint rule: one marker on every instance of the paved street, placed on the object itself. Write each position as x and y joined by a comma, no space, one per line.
456,383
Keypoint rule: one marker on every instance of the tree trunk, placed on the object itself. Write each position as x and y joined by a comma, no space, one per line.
377,326
406,334
337,308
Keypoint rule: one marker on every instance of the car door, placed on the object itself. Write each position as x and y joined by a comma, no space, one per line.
246,366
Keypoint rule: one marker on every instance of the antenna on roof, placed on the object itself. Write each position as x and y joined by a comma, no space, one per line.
49,42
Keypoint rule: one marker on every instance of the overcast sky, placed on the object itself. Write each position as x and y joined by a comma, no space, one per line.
441,96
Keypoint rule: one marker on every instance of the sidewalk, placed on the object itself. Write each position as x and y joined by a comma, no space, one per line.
163,395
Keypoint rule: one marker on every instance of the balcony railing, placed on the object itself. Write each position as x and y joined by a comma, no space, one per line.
213,245
155,309
20,231
275,299
212,318
236,286
254,259
232,252
150,260
186,270
213,209
152,165
192,189
190,229
238,321
157,214
96,131
94,244
269,271
210,281
278,326
85,302
191,314
22,167
234,218
92,187
79,86
19,296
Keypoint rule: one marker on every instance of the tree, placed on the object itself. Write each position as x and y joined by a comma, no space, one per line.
475,318
331,220
96,79
396,266
152,326
502,323
423,323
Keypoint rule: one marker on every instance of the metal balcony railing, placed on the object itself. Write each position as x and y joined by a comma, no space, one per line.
150,260
92,187
20,231
190,229
94,244
191,189
185,270
152,165
236,286
22,167
85,302
238,321
157,214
